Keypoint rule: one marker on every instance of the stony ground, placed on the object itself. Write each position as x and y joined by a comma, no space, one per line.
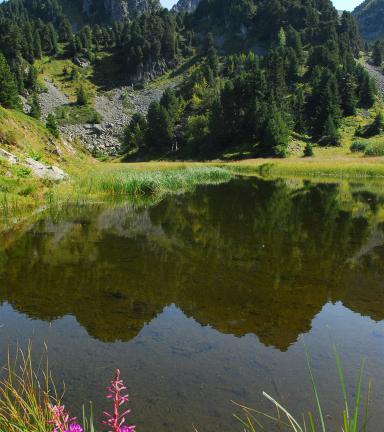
106,137
376,72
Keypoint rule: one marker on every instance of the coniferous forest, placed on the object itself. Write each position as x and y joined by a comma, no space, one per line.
308,80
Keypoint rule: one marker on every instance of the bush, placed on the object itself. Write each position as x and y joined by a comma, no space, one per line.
358,146
308,151
374,149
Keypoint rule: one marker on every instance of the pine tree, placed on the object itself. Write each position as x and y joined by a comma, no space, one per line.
159,131
379,121
19,77
216,120
281,37
208,42
377,52
9,97
37,52
82,97
31,78
367,93
35,111
51,125
299,111
331,136
169,102
74,74
134,133
294,41
213,60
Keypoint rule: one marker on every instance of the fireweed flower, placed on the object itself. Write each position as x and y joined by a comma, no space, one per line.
116,421
61,420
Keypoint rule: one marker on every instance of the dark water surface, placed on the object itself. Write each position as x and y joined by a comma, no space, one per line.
201,299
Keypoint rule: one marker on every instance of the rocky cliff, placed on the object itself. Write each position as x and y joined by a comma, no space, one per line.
188,5
370,19
119,9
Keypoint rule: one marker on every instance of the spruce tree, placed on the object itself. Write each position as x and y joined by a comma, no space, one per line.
331,136
208,42
9,97
213,60
82,97
37,52
377,52
19,77
367,92
35,111
51,125
216,120
31,78
169,102
159,131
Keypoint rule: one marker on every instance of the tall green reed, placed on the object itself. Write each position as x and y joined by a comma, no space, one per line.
24,398
349,420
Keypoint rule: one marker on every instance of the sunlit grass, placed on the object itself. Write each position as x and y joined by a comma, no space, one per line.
24,395
158,178
354,165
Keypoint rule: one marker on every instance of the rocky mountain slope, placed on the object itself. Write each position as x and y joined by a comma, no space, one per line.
115,10
188,5
370,19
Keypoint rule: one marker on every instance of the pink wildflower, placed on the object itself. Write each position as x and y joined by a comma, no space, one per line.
116,420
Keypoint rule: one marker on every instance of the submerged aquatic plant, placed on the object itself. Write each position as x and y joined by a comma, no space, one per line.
116,420
349,421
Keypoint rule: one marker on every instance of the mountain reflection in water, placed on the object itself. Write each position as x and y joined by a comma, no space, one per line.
252,256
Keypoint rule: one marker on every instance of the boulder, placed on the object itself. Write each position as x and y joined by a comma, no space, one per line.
9,156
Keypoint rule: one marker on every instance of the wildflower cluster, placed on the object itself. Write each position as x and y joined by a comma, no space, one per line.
61,420
116,421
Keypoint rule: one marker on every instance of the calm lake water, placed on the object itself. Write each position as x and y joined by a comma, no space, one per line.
202,298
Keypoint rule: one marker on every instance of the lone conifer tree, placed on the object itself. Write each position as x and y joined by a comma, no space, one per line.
82,98
9,97
35,107
51,125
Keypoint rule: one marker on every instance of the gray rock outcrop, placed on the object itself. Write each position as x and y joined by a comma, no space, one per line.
188,5
8,156
40,170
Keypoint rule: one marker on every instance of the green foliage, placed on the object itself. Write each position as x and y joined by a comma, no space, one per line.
308,150
82,97
374,148
79,114
51,125
358,146
159,130
134,133
169,102
331,136
9,97
35,111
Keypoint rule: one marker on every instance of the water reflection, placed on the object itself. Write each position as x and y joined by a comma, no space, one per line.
251,256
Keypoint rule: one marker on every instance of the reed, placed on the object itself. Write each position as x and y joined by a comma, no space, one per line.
125,180
338,167
24,399
349,422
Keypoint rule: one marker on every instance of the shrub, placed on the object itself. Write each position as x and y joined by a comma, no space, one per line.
358,146
374,149
308,151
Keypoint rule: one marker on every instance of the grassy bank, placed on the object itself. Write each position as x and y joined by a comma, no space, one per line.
354,166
